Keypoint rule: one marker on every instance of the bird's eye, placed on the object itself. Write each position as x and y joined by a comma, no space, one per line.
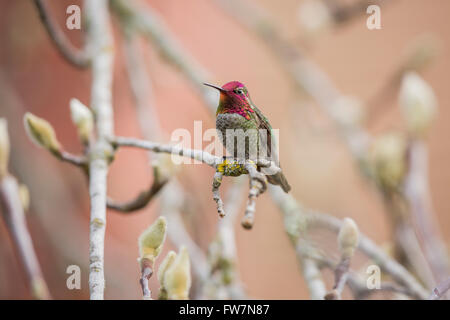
239,91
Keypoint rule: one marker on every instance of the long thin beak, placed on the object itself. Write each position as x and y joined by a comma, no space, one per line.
215,87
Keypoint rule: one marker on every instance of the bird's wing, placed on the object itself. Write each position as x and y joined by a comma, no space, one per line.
267,141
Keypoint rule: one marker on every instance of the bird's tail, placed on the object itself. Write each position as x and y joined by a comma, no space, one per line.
280,180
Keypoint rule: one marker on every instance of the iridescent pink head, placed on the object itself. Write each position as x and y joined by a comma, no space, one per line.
234,98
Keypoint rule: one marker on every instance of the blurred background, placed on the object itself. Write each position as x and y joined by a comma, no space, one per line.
361,63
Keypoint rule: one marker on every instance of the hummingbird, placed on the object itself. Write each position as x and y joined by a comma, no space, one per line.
237,111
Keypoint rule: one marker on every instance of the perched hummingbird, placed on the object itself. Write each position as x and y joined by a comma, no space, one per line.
237,111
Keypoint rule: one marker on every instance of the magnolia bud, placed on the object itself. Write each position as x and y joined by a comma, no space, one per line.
163,166
177,278
152,239
418,103
348,238
165,264
82,118
388,160
41,133
314,16
4,147
24,195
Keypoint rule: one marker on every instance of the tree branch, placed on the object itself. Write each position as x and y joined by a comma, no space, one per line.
100,151
417,192
79,58
16,225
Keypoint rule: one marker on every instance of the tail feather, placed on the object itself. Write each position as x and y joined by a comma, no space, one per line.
280,180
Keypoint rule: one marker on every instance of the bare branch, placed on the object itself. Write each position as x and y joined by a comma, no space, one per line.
78,161
217,181
223,281
344,13
417,191
16,225
101,41
358,286
310,268
258,184
146,273
79,58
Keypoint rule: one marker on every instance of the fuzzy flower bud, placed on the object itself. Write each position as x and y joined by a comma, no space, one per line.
4,148
177,278
388,160
82,118
24,195
165,264
348,238
418,103
314,16
41,132
152,239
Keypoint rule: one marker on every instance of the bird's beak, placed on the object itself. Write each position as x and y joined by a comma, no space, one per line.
215,87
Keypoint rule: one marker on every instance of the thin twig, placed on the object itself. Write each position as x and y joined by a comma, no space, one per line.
76,160
417,191
200,155
146,273
16,225
79,58
217,181
341,273
258,184
343,13
101,41
358,286
223,281
310,270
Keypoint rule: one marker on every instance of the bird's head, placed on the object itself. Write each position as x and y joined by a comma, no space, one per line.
233,96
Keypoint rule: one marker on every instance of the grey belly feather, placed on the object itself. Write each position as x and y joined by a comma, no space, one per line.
241,137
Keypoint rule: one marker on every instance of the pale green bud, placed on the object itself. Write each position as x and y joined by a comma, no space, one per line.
388,160
177,278
348,238
41,133
152,239
24,195
418,103
83,119
165,264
